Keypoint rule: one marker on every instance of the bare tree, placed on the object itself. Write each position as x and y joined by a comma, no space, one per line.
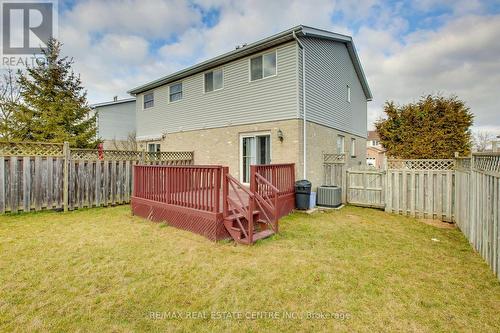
482,139
129,144
9,99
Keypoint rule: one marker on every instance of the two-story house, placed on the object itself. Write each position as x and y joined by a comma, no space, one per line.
287,98
116,123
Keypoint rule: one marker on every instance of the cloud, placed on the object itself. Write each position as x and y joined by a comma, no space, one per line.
148,18
407,48
460,58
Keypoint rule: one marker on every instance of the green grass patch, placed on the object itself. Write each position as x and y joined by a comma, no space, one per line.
350,270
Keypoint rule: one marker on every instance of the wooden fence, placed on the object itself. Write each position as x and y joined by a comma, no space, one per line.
420,188
37,176
477,205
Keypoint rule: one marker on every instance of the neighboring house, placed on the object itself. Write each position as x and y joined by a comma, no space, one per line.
373,139
375,152
495,145
247,106
116,123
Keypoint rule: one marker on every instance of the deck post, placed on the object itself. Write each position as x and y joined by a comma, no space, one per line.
253,170
225,191
217,190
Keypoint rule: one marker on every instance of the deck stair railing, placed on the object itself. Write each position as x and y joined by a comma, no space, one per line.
266,199
238,213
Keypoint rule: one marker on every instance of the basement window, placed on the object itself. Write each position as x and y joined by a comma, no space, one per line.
213,80
153,147
149,100
263,66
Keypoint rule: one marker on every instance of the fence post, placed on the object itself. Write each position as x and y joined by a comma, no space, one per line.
143,157
344,175
67,156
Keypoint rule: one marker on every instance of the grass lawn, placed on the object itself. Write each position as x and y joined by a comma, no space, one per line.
354,269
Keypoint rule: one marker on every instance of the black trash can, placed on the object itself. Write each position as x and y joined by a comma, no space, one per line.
302,194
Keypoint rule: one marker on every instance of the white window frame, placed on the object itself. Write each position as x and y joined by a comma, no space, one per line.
261,54
182,91
353,147
250,135
144,97
348,93
156,144
212,70
342,151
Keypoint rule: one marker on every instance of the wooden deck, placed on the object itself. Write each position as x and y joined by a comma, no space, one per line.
194,198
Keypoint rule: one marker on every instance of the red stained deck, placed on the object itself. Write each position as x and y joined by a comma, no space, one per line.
194,198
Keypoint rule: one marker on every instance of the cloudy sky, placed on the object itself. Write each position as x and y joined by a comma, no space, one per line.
407,48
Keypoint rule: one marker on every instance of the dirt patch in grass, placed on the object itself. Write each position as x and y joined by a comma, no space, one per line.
438,223
355,269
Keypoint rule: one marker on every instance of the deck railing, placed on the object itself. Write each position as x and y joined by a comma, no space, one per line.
281,176
197,187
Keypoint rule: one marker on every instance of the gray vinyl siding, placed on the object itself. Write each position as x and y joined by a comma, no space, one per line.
116,121
238,102
329,70
300,79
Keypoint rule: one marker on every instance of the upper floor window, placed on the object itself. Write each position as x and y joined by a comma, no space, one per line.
340,144
175,92
263,66
213,80
149,100
349,94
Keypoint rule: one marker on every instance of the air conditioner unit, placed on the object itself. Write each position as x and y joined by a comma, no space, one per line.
329,196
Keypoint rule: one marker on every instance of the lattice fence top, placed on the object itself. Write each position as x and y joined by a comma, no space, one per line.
24,149
186,156
182,157
490,163
334,158
30,149
427,164
112,155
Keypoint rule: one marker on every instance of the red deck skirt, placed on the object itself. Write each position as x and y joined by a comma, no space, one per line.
208,224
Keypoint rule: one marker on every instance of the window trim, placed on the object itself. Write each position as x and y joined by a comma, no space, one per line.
143,100
157,144
348,94
212,70
353,147
343,144
182,91
261,54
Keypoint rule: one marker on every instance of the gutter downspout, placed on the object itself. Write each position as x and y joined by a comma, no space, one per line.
303,102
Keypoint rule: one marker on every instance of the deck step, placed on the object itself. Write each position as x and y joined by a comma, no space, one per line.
240,216
262,234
